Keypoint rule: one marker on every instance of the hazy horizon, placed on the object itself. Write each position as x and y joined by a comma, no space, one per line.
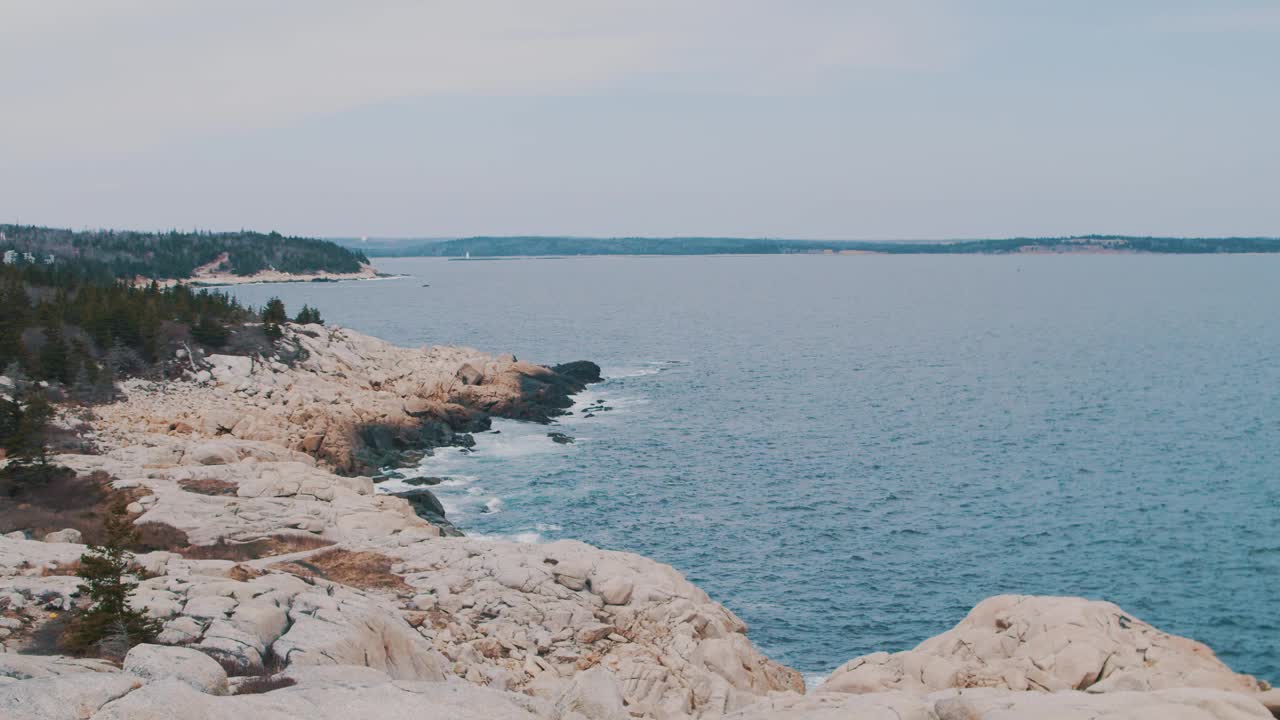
818,120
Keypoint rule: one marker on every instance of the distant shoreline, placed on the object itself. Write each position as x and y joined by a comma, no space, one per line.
266,277
844,253
477,248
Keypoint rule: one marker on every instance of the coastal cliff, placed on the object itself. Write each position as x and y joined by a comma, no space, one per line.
277,560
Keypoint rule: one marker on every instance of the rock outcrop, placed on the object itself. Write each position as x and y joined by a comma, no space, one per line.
1019,642
993,704
197,669
1017,656
352,401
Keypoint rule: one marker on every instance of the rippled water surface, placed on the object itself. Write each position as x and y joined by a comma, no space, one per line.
850,452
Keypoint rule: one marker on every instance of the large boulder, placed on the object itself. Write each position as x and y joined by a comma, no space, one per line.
65,697
69,535
154,662
427,506
583,372
356,631
14,666
210,453
594,695
993,704
536,616
469,374
1021,642
230,369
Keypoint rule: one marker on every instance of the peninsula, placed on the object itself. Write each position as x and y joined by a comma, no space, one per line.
195,258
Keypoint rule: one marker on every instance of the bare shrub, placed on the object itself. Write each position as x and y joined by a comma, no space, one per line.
259,685
209,486
269,546
365,570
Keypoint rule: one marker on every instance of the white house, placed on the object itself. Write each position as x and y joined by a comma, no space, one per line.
10,257
28,257
49,259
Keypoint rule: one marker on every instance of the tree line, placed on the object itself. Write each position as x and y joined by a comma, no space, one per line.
176,255
64,325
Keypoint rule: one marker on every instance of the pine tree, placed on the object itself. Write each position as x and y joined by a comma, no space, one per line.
111,625
273,312
28,444
273,316
104,386
209,332
82,388
308,316
54,363
10,422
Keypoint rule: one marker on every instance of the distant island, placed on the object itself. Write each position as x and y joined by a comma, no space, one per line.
525,246
198,258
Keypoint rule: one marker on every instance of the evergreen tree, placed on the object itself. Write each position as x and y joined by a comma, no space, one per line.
122,360
83,388
14,318
308,316
209,332
104,386
10,422
111,625
54,363
273,312
28,443
273,316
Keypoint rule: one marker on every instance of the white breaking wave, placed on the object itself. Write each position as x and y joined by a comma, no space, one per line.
813,680
451,508
528,538
652,367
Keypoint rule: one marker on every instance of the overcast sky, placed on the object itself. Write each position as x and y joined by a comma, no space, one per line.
795,118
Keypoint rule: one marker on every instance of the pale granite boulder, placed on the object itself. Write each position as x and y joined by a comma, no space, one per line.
155,662
74,696
1021,642
994,704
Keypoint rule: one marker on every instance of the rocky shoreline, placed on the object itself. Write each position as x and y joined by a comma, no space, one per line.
286,568
215,274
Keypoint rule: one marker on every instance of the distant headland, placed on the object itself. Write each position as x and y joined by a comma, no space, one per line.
195,258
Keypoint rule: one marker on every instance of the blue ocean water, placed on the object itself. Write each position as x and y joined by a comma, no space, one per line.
850,452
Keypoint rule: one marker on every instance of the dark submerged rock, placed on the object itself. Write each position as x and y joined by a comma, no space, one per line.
428,507
584,372
420,481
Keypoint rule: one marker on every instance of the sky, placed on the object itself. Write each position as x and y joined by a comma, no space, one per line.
797,118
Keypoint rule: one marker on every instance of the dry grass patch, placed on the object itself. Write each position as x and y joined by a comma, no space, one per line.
254,549
64,570
160,536
364,570
244,573
66,500
259,685
209,486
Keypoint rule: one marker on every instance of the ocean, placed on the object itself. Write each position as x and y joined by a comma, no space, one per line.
850,452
